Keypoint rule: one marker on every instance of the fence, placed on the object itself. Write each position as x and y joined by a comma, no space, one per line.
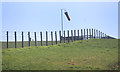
67,38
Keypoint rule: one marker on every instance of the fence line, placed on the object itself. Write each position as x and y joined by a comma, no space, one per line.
70,38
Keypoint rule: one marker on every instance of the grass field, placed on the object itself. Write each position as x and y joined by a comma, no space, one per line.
93,54
19,44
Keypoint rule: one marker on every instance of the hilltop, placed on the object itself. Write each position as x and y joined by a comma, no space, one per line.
92,54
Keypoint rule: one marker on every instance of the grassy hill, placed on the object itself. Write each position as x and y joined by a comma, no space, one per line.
93,54
19,44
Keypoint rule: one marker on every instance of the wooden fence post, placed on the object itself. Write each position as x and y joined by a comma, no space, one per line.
68,36
46,39
99,34
35,39
60,36
7,39
87,33
81,34
51,37
41,37
64,36
72,34
78,35
94,34
22,40
29,39
90,33
103,34
15,40
108,36
84,33
56,36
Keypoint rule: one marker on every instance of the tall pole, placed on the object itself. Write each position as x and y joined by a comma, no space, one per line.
62,21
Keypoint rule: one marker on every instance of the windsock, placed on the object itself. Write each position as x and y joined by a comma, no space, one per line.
66,13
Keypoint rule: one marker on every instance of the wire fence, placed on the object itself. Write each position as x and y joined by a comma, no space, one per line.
27,39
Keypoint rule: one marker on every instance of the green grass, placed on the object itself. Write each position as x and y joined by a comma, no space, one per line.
19,44
94,54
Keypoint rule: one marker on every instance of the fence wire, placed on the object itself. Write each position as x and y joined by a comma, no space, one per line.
81,34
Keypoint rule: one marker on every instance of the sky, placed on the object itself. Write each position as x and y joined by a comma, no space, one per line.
46,16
